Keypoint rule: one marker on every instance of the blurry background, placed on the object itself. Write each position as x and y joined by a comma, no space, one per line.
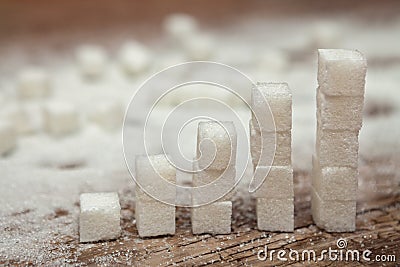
87,58
267,40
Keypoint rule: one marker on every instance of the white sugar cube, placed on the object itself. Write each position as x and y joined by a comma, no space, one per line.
60,118
134,58
213,185
216,145
214,218
154,218
33,82
156,176
334,183
180,26
108,115
99,217
333,215
339,112
199,46
91,61
341,72
337,148
278,184
275,214
279,99
8,137
19,117
281,142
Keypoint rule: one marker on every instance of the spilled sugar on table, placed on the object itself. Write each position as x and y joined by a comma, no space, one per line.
378,230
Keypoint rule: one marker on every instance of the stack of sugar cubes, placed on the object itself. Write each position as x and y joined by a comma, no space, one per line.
215,173
275,196
154,206
340,98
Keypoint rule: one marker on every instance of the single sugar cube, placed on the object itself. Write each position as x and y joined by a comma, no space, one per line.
213,185
92,60
180,26
99,218
339,112
333,215
275,214
283,149
279,99
334,183
107,115
199,46
337,148
134,58
214,218
19,117
33,82
156,176
280,142
341,72
216,145
60,118
8,137
154,218
278,184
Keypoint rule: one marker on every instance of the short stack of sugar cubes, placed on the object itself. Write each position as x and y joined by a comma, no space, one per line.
216,152
275,196
154,211
340,98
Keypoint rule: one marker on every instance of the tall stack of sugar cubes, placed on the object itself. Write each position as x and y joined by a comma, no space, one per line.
275,196
340,98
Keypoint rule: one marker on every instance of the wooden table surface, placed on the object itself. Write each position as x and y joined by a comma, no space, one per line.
378,229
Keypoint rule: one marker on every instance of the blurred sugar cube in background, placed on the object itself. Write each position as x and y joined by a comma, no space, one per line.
91,60
134,58
33,82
